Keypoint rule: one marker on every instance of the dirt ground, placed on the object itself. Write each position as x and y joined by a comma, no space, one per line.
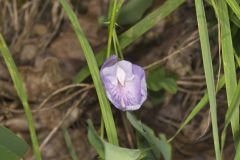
48,56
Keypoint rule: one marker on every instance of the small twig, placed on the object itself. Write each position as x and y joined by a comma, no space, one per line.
158,62
71,96
193,77
128,129
49,40
55,129
61,90
190,83
190,91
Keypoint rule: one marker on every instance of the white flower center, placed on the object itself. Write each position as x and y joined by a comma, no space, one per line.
121,75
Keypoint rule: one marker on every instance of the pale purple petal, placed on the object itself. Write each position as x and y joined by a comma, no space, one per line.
125,83
110,61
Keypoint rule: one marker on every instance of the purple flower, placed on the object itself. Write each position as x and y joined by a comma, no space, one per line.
125,83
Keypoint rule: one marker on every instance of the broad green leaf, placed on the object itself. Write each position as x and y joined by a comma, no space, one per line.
208,70
120,153
136,31
133,11
158,145
109,151
9,141
5,154
157,80
92,63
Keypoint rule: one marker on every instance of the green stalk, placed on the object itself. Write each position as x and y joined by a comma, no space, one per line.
69,144
228,62
208,69
93,68
21,93
111,27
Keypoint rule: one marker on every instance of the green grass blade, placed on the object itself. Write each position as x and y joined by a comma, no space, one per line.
228,61
69,144
21,93
111,27
91,61
135,32
230,113
208,69
237,155
201,104
235,7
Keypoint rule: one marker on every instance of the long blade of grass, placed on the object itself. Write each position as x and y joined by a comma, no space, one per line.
208,69
21,93
235,7
135,32
91,61
69,144
201,104
228,61
237,155
230,113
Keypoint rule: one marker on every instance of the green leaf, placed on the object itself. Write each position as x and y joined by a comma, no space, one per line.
135,32
157,80
8,155
120,153
91,61
159,145
133,11
12,143
107,151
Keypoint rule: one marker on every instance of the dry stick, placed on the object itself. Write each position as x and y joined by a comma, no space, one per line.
61,90
128,129
190,91
15,16
57,104
219,53
55,129
171,55
191,83
49,40
61,102
177,51
193,77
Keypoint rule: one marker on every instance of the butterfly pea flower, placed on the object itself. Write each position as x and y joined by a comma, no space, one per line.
124,83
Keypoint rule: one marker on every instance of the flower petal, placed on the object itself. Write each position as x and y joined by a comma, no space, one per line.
125,83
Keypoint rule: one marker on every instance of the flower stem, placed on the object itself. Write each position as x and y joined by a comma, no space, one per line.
111,27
